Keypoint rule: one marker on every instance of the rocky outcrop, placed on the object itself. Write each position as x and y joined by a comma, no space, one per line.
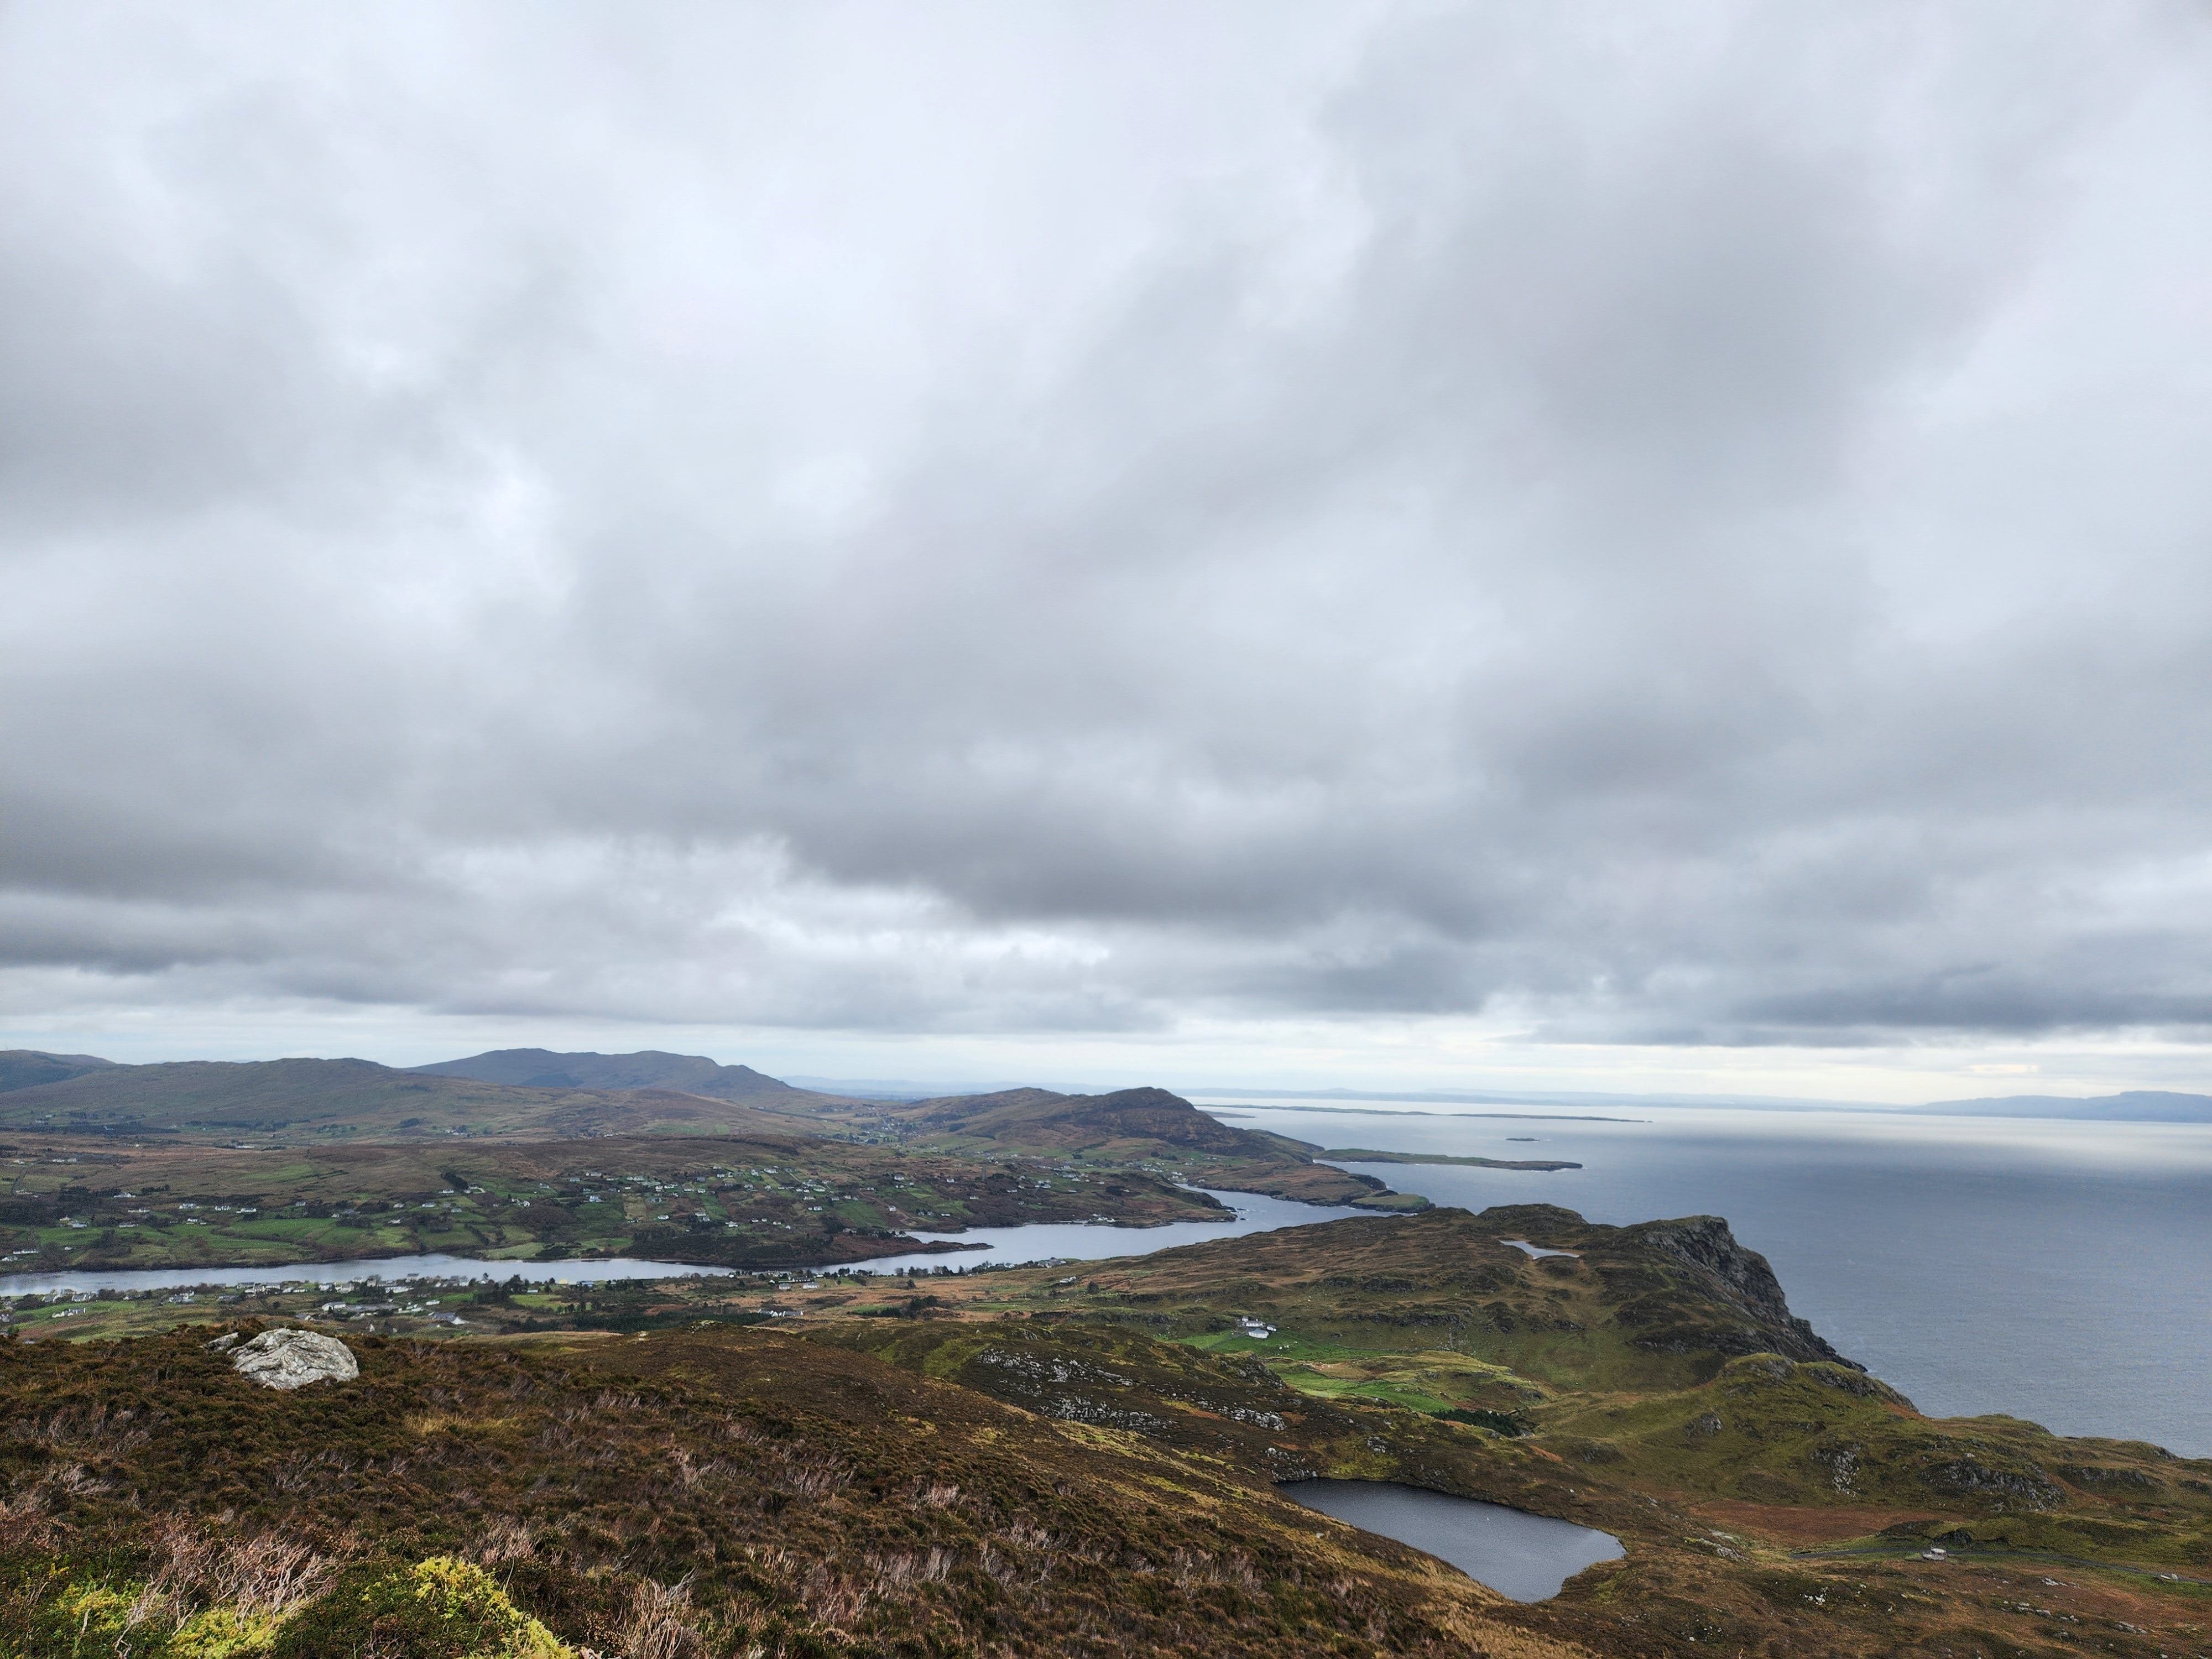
1741,1279
2097,1477
1851,1379
1967,1476
1680,1287
292,1359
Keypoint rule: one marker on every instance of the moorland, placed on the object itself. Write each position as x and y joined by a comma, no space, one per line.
1077,1459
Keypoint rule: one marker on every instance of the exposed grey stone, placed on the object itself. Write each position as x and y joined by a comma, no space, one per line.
2003,1488
292,1359
1852,1380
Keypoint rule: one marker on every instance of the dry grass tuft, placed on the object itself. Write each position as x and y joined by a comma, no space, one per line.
258,1573
662,1623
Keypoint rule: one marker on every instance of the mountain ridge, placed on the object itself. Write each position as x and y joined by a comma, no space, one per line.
316,1099
23,1070
27,1068
1147,1127
643,1068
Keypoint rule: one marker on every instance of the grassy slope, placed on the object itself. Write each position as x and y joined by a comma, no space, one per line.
649,1068
1654,1306
1663,1354
677,1494
1656,1409
296,1101
1140,1128
25,1068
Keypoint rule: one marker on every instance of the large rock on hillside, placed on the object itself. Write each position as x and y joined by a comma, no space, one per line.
292,1359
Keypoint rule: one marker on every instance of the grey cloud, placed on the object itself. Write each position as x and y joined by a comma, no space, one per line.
741,520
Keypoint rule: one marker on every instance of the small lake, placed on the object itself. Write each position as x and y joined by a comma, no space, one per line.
997,1246
1526,1557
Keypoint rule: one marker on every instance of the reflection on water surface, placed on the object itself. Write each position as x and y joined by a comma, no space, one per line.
1527,1557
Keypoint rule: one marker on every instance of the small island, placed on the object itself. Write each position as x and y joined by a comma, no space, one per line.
1369,1155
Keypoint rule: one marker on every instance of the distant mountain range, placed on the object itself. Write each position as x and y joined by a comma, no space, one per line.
507,1091
1538,1098
2135,1106
538,1093
527,1091
648,1068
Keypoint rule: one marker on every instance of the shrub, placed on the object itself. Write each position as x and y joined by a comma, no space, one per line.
440,1608
222,1634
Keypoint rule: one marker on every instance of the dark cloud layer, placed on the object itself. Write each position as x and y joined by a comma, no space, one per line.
1690,532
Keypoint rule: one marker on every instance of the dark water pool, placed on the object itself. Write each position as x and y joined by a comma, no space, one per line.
1527,1557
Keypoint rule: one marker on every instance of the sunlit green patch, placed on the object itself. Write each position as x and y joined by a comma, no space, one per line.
440,1608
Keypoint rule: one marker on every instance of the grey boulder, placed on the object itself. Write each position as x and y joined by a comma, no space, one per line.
292,1359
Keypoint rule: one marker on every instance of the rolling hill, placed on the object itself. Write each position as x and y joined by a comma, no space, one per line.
1148,1127
649,1068
27,1068
318,1100
1038,1117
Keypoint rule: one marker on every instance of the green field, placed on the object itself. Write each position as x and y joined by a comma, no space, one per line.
756,1201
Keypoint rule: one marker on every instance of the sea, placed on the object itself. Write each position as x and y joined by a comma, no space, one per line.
2056,1270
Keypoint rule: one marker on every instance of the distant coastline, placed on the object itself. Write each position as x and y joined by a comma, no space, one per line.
1383,1111
1369,1155
2130,1106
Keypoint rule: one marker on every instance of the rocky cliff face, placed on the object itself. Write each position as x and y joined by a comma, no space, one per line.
1684,1287
1704,1245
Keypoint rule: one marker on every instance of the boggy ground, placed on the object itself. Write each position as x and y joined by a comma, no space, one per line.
661,1495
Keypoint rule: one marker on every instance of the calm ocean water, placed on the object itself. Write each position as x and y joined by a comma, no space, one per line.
2059,1271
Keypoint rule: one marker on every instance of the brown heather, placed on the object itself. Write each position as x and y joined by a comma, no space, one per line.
672,1495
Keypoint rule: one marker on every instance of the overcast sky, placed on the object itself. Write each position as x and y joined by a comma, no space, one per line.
1599,543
